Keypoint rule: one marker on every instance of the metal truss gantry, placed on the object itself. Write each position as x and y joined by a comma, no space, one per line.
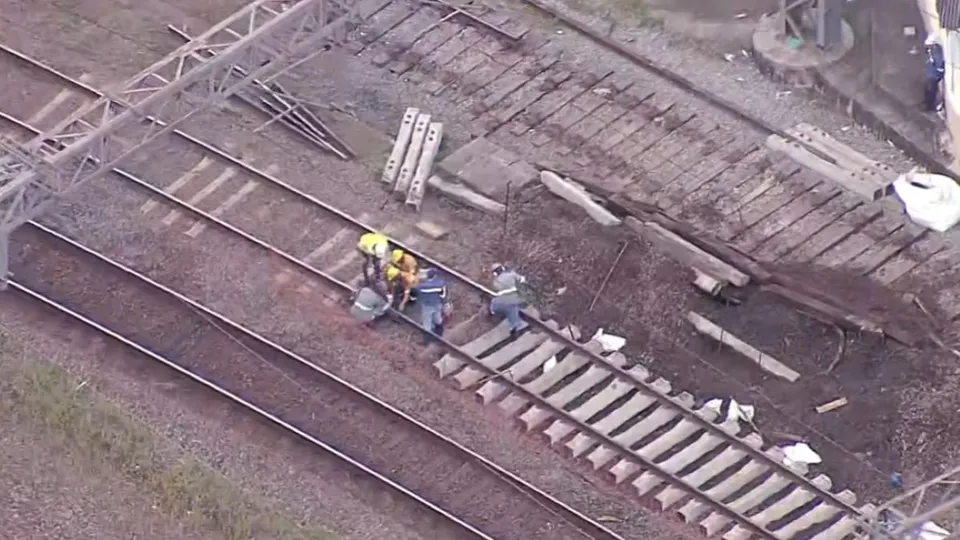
266,37
936,500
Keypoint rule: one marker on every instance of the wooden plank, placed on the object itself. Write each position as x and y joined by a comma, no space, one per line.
382,22
555,100
425,45
884,250
529,70
855,183
785,216
745,165
455,62
704,171
826,312
786,190
935,270
765,361
587,128
859,241
708,139
399,38
571,113
691,234
678,145
686,253
839,227
515,104
752,187
656,131
910,258
622,128
785,241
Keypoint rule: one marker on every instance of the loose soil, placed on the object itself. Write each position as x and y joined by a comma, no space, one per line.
646,299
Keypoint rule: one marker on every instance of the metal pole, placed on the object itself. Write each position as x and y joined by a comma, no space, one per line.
4,259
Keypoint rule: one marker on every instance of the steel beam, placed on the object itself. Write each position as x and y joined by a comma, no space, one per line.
266,35
934,500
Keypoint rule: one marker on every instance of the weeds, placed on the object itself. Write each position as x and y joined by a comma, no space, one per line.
186,488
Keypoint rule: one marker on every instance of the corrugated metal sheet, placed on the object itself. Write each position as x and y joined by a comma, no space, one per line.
949,12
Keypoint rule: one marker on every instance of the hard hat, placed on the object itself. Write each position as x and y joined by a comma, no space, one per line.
396,256
380,250
497,269
931,40
392,273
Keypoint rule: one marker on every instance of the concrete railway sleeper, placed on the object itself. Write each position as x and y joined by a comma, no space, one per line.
458,357
253,408
436,473
755,479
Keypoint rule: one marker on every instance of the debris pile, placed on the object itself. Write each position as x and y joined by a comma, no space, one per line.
270,98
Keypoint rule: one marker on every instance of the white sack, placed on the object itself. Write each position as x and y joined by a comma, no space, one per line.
931,200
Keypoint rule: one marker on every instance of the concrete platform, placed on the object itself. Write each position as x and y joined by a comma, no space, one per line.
794,66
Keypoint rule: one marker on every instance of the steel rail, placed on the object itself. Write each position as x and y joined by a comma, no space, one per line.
594,357
254,408
451,347
517,482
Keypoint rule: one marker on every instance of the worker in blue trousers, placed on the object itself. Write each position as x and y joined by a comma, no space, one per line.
507,297
934,71
431,294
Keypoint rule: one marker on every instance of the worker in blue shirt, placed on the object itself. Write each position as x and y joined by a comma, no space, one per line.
432,296
507,299
935,69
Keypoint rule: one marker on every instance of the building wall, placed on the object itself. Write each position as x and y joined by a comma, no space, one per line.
951,83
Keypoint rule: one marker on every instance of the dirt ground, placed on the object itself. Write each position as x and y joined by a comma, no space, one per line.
647,297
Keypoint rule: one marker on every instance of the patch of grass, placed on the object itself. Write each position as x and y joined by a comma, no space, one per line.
186,488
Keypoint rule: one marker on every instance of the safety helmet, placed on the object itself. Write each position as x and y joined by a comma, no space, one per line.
392,273
380,250
497,269
931,40
396,256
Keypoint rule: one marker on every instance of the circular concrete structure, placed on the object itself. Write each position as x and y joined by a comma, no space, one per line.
795,67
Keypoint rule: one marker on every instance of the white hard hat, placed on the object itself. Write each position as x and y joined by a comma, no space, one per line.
931,40
380,251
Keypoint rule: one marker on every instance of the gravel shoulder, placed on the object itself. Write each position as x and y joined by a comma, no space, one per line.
78,465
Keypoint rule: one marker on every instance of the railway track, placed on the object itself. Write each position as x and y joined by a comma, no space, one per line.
636,428
441,478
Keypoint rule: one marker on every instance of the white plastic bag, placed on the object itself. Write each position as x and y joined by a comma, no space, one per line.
931,200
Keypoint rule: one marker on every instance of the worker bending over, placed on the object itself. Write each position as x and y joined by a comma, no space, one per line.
368,305
401,276
432,297
400,286
507,299
373,247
